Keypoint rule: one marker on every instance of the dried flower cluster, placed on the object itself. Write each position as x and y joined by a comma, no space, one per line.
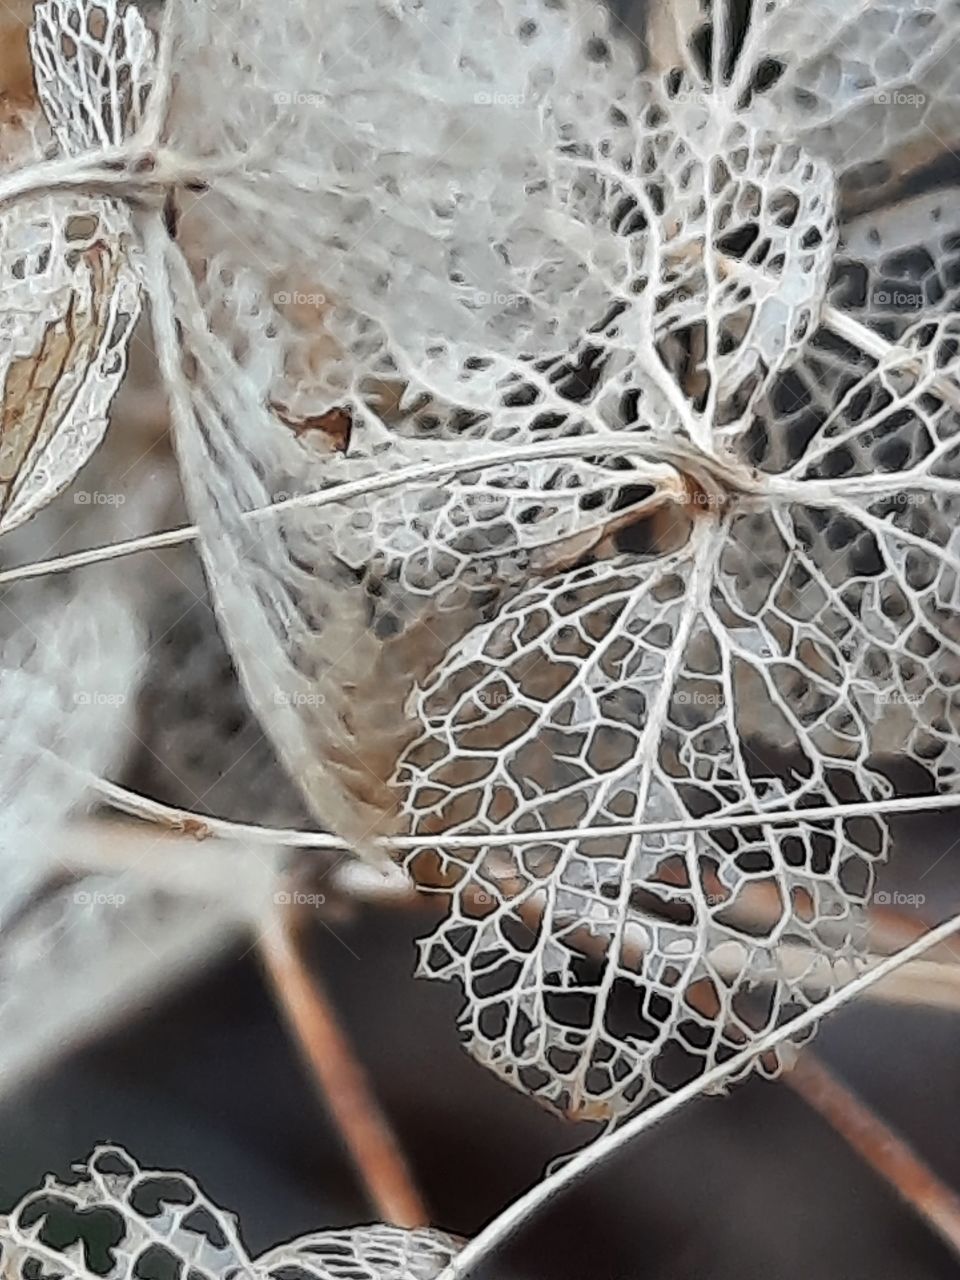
572,451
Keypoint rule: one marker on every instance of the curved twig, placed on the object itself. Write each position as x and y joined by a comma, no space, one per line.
878,1145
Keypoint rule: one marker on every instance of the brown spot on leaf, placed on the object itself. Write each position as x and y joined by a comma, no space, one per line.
335,425
41,387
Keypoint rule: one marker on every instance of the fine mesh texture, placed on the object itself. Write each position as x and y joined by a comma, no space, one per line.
70,284
160,1222
701,570
70,300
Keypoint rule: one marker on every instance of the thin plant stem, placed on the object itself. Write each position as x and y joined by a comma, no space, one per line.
130,802
173,860
880,349
340,1078
878,1145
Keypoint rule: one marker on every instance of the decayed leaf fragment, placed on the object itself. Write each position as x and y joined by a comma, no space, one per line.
557,667
162,1219
663,275
68,272
71,299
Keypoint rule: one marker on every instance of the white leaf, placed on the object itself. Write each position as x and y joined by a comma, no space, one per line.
235,457
399,137
299,629
603,971
71,292
94,67
900,264
70,301
861,84
165,1215
362,1253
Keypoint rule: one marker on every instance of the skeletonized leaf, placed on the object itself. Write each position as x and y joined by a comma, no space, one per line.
70,301
900,265
312,600
703,247
699,621
94,66
399,183
163,1218
601,971
235,458
362,1253
162,1213
71,291
751,658
872,88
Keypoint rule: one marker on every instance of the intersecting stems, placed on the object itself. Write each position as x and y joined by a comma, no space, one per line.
341,1079
878,1145
658,457
876,346
778,488
95,846
131,802
64,173
132,171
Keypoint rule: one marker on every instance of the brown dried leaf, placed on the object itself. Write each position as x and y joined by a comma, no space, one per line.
71,299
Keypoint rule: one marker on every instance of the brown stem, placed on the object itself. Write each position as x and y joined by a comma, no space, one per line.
878,1145
341,1079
